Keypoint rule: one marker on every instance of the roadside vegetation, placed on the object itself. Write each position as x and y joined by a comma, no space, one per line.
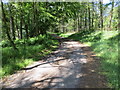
29,50
105,45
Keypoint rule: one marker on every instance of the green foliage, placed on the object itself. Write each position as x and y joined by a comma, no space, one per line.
105,44
86,35
5,43
41,39
31,50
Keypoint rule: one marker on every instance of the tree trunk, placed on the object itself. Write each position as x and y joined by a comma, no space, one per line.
80,22
111,14
12,27
21,27
118,26
89,17
26,30
86,19
74,25
63,24
7,28
79,25
21,21
101,14
92,15
18,35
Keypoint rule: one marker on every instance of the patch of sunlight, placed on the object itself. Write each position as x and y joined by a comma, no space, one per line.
109,34
95,33
88,43
83,60
26,62
53,46
79,75
67,34
0,71
98,54
70,33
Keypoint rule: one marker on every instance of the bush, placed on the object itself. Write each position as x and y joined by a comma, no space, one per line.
5,43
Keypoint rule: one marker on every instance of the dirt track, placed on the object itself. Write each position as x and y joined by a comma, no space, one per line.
73,65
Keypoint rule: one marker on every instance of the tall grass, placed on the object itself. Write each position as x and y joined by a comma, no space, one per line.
29,50
105,44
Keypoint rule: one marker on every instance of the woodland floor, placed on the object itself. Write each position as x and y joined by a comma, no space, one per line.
73,65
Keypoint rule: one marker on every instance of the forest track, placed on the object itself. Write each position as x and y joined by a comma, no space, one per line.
73,65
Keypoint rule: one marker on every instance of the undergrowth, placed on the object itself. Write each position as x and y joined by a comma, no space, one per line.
29,51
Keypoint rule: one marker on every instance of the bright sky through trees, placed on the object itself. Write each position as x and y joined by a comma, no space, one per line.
106,1
5,1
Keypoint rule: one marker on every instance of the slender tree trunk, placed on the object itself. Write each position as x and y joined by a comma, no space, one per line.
7,28
82,19
12,27
21,22
101,14
86,19
74,25
89,17
16,25
36,19
21,19
63,24
80,22
79,26
92,15
63,27
118,26
26,30
111,14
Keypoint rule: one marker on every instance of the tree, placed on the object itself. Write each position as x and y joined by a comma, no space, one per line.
101,14
111,14
92,15
7,28
12,27
89,17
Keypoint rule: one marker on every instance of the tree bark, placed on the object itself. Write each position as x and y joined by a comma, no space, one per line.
89,17
92,15
79,23
111,14
21,21
26,30
86,19
12,26
101,14
7,28
16,25
118,26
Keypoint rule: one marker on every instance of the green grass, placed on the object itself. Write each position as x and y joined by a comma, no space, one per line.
105,44
66,34
30,51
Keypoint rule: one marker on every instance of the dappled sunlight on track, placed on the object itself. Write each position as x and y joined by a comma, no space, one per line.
61,69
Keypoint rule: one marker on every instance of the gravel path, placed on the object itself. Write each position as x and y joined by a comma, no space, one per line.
61,69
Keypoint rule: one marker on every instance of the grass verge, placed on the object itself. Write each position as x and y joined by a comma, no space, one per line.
105,45
29,51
